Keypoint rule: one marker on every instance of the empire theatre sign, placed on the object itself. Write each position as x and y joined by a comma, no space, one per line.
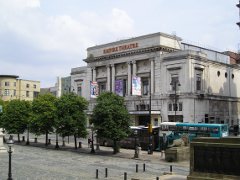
120,48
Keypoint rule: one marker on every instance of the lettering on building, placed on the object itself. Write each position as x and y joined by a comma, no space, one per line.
120,48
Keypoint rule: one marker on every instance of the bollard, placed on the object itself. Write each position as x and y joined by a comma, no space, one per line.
106,172
49,141
23,139
125,176
136,167
35,140
170,168
157,178
80,145
144,167
96,173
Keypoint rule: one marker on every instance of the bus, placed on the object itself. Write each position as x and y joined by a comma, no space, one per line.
175,130
142,138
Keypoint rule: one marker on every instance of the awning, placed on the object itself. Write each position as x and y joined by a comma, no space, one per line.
144,112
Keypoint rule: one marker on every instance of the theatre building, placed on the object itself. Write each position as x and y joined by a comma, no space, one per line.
177,81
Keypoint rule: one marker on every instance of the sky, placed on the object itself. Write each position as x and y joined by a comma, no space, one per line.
43,39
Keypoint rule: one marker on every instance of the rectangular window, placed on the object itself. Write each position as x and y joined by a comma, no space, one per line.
27,85
175,82
14,92
35,94
180,106
7,83
14,84
175,107
102,87
27,93
34,86
170,107
6,92
145,86
198,79
198,82
79,91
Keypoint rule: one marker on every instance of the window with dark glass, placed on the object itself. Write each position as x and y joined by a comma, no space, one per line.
102,87
174,82
7,83
180,106
198,82
14,84
27,93
79,91
14,93
145,86
34,86
124,87
169,107
27,85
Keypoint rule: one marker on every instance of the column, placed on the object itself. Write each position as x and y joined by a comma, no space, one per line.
113,77
94,74
134,68
108,78
129,79
152,75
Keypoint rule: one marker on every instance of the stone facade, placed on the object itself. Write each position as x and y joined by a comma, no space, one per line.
179,81
13,88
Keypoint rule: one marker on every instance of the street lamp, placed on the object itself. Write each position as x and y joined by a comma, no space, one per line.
135,136
174,84
10,143
92,150
150,151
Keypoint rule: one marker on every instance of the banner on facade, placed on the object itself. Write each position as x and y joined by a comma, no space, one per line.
136,86
93,89
119,87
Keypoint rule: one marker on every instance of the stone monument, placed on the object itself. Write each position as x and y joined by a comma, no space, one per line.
2,148
214,159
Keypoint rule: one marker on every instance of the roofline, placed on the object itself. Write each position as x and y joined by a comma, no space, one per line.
135,38
9,76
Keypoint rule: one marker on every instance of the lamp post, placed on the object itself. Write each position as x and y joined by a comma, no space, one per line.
92,149
174,84
150,151
10,143
136,151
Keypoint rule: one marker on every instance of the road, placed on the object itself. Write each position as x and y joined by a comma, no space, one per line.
36,162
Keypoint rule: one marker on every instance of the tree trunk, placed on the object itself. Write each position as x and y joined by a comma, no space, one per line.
75,140
115,147
18,137
46,140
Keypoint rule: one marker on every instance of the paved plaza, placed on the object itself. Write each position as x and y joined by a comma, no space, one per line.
38,162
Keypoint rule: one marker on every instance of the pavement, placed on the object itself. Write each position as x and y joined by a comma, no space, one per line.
179,169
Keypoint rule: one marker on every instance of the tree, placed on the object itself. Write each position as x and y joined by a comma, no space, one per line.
111,118
71,116
16,116
44,114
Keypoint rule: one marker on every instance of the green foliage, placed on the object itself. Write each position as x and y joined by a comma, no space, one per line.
44,113
16,116
110,117
71,116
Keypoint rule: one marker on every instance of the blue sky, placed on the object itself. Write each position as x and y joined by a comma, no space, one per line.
43,39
